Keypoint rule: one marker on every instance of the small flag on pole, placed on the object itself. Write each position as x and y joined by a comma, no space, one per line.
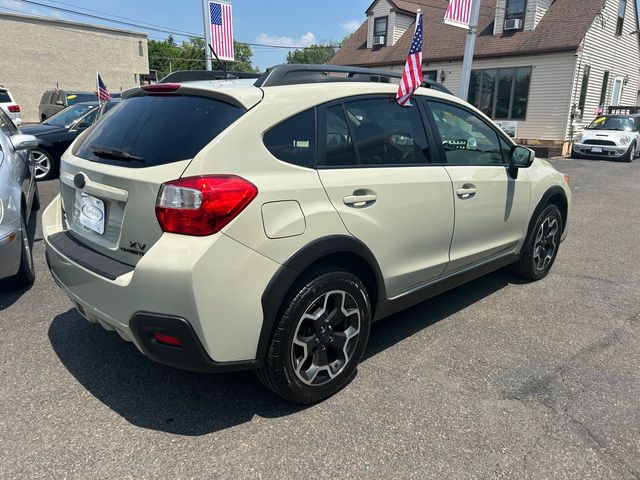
221,30
103,91
412,75
458,13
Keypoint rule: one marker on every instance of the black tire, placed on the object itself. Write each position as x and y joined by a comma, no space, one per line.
631,154
45,164
339,348
575,155
26,274
537,258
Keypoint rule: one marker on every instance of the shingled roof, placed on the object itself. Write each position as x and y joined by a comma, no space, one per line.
562,28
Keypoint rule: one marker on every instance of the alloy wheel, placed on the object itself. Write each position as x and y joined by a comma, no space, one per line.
42,164
326,338
545,245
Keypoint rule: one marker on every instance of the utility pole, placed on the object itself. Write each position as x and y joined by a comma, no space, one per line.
469,48
206,19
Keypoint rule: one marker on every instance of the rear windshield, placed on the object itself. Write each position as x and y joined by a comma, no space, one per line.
73,98
156,130
4,97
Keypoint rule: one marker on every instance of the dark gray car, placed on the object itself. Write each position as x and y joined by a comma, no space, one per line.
18,197
53,101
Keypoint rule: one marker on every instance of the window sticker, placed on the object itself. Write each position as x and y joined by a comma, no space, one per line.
600,120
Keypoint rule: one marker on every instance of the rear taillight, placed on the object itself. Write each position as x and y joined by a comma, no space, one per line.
202,206
165,339
14,108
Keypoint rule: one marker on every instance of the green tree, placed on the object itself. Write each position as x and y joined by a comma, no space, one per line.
166,56
319,54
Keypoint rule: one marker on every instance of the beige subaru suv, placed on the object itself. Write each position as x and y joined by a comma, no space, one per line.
266,224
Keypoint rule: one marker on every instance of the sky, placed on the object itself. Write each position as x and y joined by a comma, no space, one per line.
293,23
276,22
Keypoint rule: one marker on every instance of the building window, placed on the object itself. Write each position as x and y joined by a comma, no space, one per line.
617,91
430,74
140,49
583,91
501,94
621,11
603,92
380,29
515,9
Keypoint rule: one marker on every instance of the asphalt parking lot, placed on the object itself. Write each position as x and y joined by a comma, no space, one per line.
496,379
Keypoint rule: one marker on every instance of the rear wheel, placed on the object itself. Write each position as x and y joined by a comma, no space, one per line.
541,247
26,274
44,164
320,336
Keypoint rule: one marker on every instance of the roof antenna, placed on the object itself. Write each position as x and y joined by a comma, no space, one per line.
221,63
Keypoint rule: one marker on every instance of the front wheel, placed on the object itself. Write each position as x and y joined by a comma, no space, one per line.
541,247
44,165
631,154
319,338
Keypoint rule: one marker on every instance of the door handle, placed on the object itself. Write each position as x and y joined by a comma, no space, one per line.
467,191
360,200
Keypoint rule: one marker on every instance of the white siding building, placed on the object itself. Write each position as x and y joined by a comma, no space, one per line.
543,68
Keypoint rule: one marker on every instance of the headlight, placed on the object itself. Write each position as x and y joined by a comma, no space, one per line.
625,139
578,138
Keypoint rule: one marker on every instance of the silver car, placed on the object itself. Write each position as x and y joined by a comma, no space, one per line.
18,197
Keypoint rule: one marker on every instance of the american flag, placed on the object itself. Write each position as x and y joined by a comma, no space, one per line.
458,13
412,76
221,30
103,91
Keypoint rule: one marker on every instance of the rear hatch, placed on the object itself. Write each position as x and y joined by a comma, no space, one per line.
111,179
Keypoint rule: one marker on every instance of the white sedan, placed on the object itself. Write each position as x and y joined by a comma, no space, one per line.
609,136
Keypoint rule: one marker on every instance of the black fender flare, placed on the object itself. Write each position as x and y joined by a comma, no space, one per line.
544,200
280,284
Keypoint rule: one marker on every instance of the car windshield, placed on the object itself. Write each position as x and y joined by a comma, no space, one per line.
69,115
4,97
623,124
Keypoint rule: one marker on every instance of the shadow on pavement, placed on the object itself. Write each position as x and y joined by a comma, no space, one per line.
153,396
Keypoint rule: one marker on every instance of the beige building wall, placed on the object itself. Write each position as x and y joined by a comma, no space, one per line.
38,52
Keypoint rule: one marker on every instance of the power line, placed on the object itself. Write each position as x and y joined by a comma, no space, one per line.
150,26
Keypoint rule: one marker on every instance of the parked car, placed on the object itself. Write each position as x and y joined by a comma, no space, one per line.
609,136
10,106
53,101
107,106
56,134
18,197
266,224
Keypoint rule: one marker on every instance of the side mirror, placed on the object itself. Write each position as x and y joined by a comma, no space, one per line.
83,125
59,102
522,157
24,142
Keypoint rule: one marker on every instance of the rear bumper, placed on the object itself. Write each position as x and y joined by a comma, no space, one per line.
10,250
207,290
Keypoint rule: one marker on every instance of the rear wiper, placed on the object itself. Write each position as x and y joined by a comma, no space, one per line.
115,153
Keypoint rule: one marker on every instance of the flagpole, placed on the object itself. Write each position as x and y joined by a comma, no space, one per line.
206,20
468,49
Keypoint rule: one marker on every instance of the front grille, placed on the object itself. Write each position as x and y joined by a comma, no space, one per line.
600,142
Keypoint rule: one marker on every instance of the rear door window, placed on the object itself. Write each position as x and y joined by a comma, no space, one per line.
4,97
155,130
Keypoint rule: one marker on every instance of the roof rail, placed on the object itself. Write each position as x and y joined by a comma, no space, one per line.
196,75
294,74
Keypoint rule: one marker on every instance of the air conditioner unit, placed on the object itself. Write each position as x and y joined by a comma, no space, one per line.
513,24
378,41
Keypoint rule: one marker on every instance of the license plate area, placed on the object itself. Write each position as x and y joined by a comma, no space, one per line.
90,212
596,149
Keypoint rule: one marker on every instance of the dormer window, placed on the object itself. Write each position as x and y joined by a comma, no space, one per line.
515,9
380,25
